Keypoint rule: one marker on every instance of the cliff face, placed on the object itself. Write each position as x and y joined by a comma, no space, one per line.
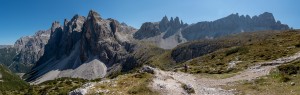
232,24
88,48
168,34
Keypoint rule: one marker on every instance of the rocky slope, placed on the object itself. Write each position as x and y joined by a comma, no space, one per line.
168,34
87,48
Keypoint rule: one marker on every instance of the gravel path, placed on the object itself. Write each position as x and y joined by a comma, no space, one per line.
169,83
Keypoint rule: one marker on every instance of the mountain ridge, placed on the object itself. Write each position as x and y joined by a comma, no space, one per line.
231,24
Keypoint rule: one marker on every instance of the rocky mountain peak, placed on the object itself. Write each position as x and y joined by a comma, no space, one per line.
164,24
151,29
66,22
181,22
177,22
93,15
267,17
164,20
55,25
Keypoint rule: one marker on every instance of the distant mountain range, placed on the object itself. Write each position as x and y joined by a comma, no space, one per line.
92,47
4,46
169,33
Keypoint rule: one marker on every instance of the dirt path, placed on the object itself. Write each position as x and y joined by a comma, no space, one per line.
169,83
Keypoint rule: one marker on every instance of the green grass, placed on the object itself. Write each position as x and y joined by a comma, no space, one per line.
163,61
127,84
11,82
60,86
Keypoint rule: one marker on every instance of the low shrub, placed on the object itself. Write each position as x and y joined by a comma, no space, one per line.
289,69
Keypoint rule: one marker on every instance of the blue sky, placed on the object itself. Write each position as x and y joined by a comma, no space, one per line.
25,17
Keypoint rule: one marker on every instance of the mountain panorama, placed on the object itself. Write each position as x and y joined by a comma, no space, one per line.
93,47
73,48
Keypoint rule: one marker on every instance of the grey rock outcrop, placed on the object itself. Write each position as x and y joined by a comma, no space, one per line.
84,48
147,69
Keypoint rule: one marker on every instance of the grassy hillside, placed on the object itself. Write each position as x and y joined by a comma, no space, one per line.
10,82
213,56
272,46
61,86
128,84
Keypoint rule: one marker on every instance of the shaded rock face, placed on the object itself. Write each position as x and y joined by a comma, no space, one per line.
92,40
148,30
232,24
